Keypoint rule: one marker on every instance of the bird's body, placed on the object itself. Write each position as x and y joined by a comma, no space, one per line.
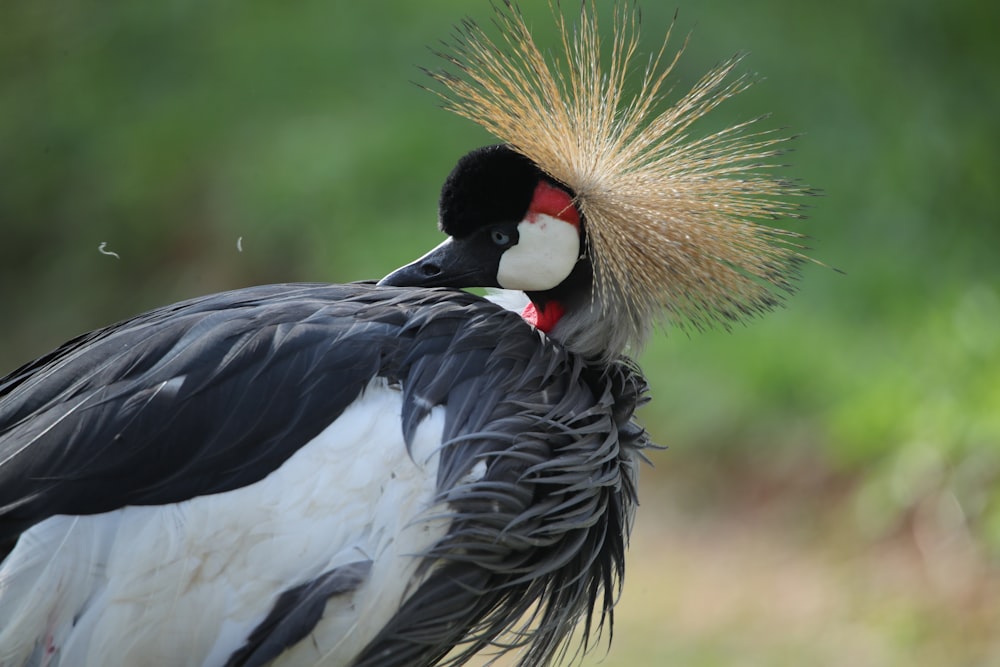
396,474
328,491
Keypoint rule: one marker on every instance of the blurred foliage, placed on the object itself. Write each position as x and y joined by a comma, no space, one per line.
176,131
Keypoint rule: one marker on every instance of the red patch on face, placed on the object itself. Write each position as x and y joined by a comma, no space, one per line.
554,202
543,318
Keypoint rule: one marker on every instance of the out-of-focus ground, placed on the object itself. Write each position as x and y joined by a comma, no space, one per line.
778,581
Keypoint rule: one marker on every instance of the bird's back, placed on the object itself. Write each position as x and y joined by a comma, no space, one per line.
401,468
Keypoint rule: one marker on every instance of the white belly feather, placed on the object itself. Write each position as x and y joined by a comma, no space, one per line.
184,584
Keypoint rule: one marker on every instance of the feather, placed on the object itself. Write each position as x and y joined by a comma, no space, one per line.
673,222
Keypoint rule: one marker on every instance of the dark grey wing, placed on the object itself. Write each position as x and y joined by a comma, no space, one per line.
215,393
200,397
536,545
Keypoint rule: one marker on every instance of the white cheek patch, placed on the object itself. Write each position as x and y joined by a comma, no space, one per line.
545,254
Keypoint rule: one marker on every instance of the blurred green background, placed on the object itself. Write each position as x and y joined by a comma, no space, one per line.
830,492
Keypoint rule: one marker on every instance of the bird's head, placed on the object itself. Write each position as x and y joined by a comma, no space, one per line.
606,210
509,226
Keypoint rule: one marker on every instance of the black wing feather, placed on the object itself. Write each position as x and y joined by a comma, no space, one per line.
536,545
215,393
295,613
196,398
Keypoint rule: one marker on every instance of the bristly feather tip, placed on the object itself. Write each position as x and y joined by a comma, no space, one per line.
674,222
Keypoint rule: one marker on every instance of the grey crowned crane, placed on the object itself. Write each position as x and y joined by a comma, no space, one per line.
401,473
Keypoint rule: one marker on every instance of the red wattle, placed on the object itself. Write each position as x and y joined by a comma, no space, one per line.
544,319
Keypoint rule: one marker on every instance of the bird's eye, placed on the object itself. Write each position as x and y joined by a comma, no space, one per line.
500,237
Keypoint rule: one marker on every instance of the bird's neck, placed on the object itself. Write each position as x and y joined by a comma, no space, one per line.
545,309
543,317
575,315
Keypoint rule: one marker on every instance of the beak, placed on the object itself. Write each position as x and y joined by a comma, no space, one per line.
451,264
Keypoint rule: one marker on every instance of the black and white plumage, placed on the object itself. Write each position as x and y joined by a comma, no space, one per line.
204,479
401,473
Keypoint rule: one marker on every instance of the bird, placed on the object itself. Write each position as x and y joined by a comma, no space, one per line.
402,472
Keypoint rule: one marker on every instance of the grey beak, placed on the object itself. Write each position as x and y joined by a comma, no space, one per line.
451,264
